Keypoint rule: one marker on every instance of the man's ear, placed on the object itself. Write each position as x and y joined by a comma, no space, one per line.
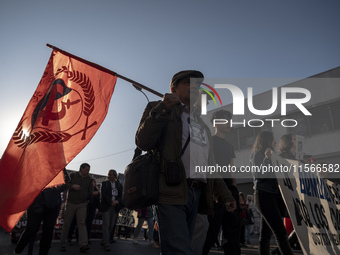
173,90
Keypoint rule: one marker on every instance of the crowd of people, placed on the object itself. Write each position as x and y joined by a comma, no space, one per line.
83,200
192,209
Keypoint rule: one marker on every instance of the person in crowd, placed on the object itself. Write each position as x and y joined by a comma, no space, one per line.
287,150
144,214
249,229
111,200
45,208
287,146
244,212
80,190
113,231
92,207
167,126
268,200
231,221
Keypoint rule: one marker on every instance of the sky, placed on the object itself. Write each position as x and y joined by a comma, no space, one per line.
149,41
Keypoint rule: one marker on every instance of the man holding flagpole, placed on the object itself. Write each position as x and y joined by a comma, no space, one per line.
168,126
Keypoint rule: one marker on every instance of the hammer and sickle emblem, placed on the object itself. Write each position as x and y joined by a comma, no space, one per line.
44,108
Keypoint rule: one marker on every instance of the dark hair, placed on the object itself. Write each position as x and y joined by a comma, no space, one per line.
84,165
114,173
286,142
241,194
263,141
220,114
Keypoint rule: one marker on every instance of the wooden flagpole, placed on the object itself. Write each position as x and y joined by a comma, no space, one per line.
134,83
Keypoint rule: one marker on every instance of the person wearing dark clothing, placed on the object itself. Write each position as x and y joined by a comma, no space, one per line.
92,206
268,199
111,194
231,221
45,208
144,214
166,126
244,210
80,190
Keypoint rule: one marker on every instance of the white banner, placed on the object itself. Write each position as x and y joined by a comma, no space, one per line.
313,204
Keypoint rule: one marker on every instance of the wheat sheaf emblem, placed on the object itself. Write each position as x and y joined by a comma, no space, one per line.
22,141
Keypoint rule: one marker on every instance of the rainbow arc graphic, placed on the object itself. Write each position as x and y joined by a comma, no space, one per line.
209,93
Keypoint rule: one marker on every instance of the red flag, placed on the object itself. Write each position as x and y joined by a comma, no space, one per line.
67,108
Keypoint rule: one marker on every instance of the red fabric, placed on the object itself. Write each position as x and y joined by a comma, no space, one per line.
67,108
289,225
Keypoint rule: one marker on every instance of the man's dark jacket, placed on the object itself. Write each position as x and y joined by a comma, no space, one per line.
106,193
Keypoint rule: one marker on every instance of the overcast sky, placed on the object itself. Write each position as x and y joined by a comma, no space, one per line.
149,41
